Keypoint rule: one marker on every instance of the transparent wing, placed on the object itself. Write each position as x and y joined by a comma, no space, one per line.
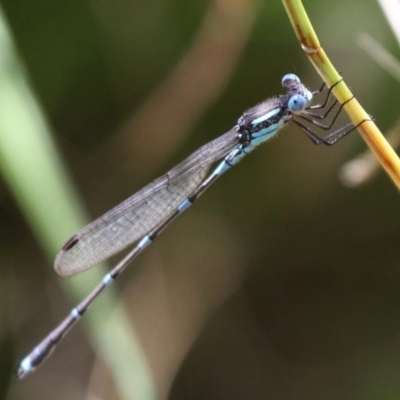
142,212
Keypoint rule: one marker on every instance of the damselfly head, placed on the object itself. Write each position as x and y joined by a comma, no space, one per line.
293,86
291,83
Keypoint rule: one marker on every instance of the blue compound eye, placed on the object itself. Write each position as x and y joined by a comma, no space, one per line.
290,80
297,103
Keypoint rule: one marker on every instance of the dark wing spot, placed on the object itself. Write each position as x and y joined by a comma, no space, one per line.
71,243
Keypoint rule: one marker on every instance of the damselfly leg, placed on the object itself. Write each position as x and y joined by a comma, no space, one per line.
312,118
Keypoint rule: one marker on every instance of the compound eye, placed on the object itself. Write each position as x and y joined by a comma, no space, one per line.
297,103
290,81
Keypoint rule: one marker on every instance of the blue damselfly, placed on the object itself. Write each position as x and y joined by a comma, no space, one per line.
143,216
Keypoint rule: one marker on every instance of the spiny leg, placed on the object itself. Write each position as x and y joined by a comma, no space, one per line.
328,96
318,124
333,137
321,116
319,91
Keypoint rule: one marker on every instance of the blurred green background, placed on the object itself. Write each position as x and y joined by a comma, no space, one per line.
280,283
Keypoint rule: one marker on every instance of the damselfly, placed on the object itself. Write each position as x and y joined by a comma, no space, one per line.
144,215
